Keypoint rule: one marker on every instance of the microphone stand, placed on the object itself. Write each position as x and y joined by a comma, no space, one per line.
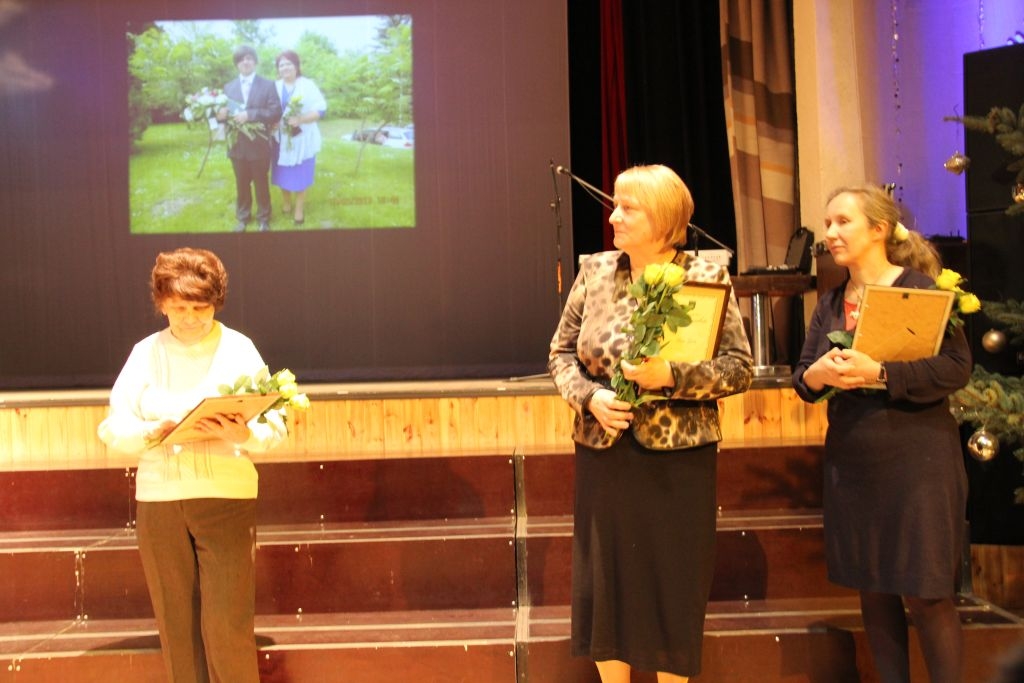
605,200
556,208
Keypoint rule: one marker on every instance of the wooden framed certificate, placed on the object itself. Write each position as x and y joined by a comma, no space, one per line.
699,340
902,323
246,405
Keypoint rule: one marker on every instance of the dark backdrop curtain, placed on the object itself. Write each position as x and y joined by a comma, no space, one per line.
674,110
586,150
614,146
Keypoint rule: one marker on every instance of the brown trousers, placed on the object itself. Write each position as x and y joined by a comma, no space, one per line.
199,559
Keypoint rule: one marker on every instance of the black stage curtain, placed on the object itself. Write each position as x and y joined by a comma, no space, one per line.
674,107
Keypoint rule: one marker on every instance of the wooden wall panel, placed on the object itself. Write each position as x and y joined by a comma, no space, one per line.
421,421
998,574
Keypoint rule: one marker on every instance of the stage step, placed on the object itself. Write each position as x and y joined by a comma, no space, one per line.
748,478
364,567
289,493
759,478
779,641
430,569
773,641
769,554
469,646
385,566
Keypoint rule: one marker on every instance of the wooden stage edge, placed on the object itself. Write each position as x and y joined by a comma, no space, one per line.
57,429
316,392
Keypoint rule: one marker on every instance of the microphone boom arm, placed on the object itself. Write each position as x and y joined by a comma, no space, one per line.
590,188
703,233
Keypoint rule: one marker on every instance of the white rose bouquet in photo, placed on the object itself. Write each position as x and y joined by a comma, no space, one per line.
203,105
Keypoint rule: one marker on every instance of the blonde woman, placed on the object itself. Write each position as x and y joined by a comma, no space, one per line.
645,509
895,490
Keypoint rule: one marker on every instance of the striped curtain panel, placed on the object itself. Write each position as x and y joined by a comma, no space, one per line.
760,111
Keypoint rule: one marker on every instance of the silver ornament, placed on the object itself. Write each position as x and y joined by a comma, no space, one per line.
993,341
957,163
983,445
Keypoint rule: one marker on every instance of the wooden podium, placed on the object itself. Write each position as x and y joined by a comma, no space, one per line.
760,288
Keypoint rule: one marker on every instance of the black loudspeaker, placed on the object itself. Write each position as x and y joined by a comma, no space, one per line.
992,78
995,242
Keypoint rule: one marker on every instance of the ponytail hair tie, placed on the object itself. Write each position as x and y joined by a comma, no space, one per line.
900,232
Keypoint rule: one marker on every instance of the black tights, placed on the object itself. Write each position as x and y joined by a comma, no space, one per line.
938,631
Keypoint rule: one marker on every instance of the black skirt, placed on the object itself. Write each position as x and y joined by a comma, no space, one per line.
643,554
895,496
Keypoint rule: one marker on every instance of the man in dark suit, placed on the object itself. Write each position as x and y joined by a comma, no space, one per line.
254,100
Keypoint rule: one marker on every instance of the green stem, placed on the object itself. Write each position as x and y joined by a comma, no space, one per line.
207,155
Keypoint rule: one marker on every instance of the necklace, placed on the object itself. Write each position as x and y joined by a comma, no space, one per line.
888,276
859,293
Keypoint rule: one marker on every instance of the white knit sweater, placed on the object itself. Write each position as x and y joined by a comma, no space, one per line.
164,379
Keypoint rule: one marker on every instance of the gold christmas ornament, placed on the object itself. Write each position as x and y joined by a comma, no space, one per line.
957,163
1018,193
993,341
983,445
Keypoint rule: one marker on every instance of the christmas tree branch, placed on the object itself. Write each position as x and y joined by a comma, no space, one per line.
1007,126
1008,314
995,403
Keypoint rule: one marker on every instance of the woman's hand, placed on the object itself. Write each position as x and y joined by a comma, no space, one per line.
230,428
843,368
154,435
651,373
613,414
860,368
294,121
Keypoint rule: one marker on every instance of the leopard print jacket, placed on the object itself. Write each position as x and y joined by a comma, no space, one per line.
588,343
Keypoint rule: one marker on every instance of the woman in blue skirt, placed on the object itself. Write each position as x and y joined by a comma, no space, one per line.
298,136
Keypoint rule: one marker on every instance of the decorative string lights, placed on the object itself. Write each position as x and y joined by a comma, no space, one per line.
897,98
981,24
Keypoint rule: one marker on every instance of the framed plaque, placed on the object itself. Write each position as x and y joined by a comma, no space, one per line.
902,323
699,340
246,405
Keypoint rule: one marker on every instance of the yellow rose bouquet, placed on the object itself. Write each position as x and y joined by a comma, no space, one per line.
281,382
657,309
965,303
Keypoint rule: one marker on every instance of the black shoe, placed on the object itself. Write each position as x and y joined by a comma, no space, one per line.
264,226
239,227
300,221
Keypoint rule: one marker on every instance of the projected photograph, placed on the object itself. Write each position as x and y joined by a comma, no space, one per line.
271,124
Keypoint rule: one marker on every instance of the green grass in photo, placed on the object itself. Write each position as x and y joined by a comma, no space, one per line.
357,185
